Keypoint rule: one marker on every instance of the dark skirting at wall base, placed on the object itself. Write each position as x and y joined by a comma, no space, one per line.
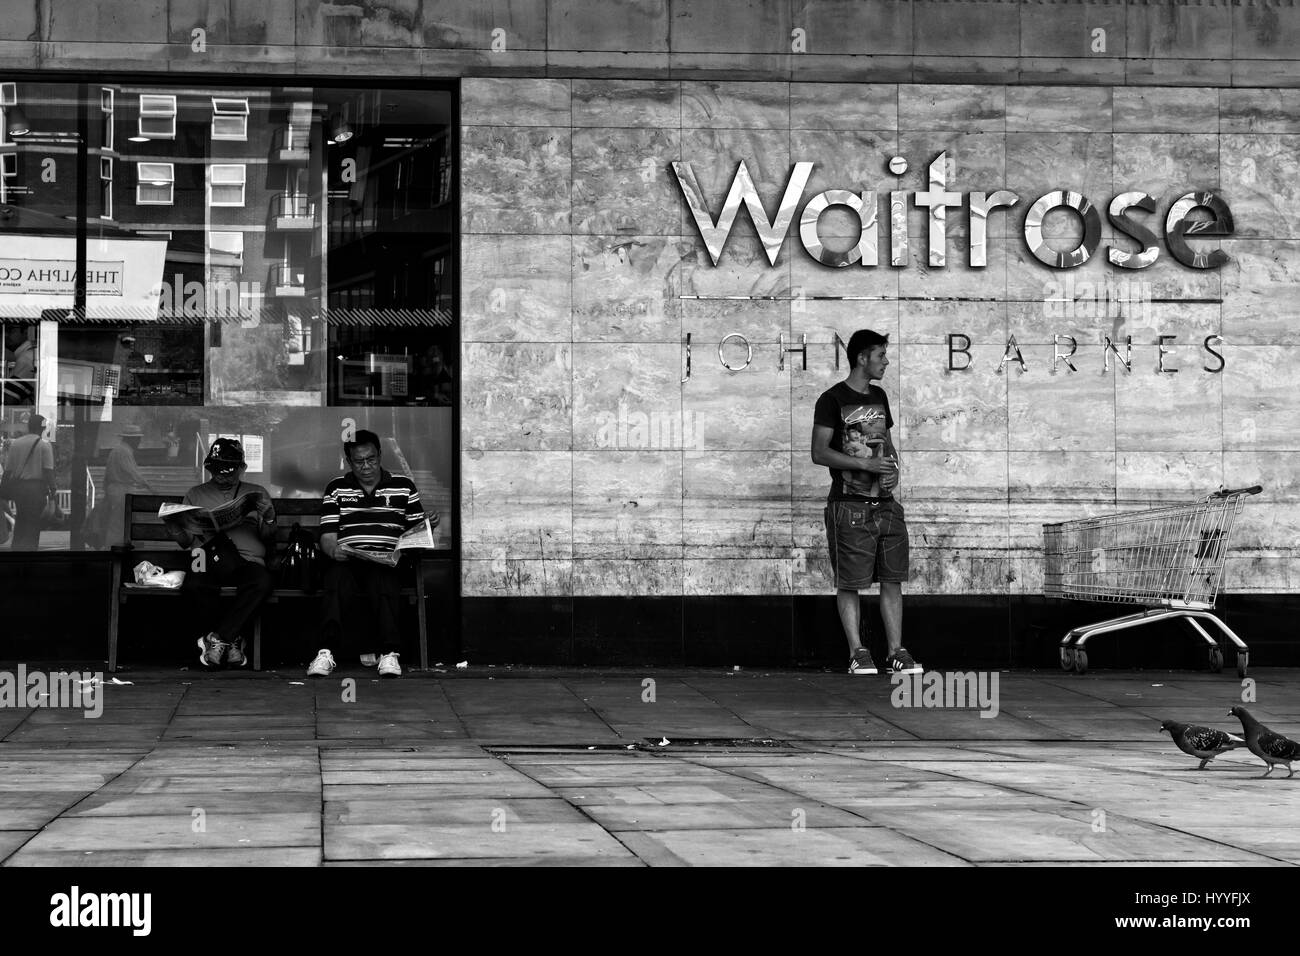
942,632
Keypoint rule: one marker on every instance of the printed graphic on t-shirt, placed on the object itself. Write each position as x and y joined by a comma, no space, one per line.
863,436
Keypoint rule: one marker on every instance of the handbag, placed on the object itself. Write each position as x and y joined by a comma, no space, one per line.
52,516
300,566
220,552
9,483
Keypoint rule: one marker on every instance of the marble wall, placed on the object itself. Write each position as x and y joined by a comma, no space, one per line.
590,468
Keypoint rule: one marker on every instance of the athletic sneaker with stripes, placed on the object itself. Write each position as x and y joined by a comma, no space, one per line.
900,662
861,662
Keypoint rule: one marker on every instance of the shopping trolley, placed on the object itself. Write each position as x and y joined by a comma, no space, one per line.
1169,559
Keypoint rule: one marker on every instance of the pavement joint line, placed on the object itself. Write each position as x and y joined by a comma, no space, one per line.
590,709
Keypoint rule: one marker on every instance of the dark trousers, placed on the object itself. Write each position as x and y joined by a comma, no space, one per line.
361,607
31,504
252,583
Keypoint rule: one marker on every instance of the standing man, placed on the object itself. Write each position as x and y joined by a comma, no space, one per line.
864,523
122,477
31,461
366,510
234,558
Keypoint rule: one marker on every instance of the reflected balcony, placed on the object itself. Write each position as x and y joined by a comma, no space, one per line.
293,213
288,281
292,144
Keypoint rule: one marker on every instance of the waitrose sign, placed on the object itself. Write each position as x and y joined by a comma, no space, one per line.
1214,220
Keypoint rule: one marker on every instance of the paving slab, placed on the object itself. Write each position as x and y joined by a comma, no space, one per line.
401,841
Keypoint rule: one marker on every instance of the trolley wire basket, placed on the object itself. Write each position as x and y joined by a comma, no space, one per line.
1168,559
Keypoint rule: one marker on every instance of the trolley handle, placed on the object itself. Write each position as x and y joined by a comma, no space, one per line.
1233,492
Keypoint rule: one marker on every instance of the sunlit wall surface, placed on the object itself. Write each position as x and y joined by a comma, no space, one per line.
261,262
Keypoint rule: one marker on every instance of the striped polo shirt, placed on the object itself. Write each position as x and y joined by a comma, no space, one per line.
370,522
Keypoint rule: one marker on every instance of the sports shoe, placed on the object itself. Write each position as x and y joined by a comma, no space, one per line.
900,662
861,663
388,666
235,654
323,665
369,660
212,650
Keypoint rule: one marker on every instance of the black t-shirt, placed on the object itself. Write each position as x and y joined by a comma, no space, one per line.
860,424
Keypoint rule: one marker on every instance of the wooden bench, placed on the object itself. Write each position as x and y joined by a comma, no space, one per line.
147,539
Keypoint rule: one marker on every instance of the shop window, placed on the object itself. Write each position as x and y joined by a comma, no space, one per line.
227,185
229,119
157,116
155,182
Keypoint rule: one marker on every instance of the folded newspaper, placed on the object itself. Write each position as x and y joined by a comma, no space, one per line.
221,518
421,536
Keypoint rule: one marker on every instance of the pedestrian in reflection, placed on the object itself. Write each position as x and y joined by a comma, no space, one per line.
31,461
122,477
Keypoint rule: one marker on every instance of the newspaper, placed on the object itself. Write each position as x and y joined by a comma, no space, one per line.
421,536
222,518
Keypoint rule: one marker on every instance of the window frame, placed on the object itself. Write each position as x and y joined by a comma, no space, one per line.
154,183
228,113
165,111
213,184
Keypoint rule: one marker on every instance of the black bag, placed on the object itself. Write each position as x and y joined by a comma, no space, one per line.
300,567
220,552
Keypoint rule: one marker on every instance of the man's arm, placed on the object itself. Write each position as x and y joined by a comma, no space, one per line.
824,454
329,526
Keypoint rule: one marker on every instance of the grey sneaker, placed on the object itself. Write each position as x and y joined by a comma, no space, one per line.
900,662
235,655
369,660
212,650
323,665
861,663
388,666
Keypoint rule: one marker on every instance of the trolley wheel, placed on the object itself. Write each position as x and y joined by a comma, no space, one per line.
1243,663
1216,660
1067,658
1080,661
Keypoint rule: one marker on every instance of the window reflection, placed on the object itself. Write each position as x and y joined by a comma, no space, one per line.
259,261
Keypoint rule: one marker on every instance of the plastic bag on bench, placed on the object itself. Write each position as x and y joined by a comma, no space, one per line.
149,575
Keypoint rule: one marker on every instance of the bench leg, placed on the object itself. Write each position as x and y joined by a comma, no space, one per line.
114,616
257,643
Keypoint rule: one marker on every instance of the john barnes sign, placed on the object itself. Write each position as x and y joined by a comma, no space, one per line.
1214,220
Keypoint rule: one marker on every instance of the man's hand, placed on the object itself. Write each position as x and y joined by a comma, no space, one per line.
265,510
880,466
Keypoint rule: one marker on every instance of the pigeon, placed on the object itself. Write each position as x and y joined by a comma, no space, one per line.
1204,742
1270,747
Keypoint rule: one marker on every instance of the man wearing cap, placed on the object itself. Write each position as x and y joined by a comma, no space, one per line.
247,572
31,461
122,477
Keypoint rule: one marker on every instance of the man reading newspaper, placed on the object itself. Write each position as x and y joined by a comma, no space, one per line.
367,517
232,521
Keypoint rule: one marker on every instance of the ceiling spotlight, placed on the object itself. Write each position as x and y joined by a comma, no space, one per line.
16,122
138,139
340,130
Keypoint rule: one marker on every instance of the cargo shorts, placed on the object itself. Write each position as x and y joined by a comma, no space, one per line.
868,542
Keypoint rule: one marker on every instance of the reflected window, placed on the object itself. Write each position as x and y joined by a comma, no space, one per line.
157,116
227,185
154,183
229,119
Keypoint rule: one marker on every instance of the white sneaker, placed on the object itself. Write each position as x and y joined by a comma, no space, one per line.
323,665
369,660
388,666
